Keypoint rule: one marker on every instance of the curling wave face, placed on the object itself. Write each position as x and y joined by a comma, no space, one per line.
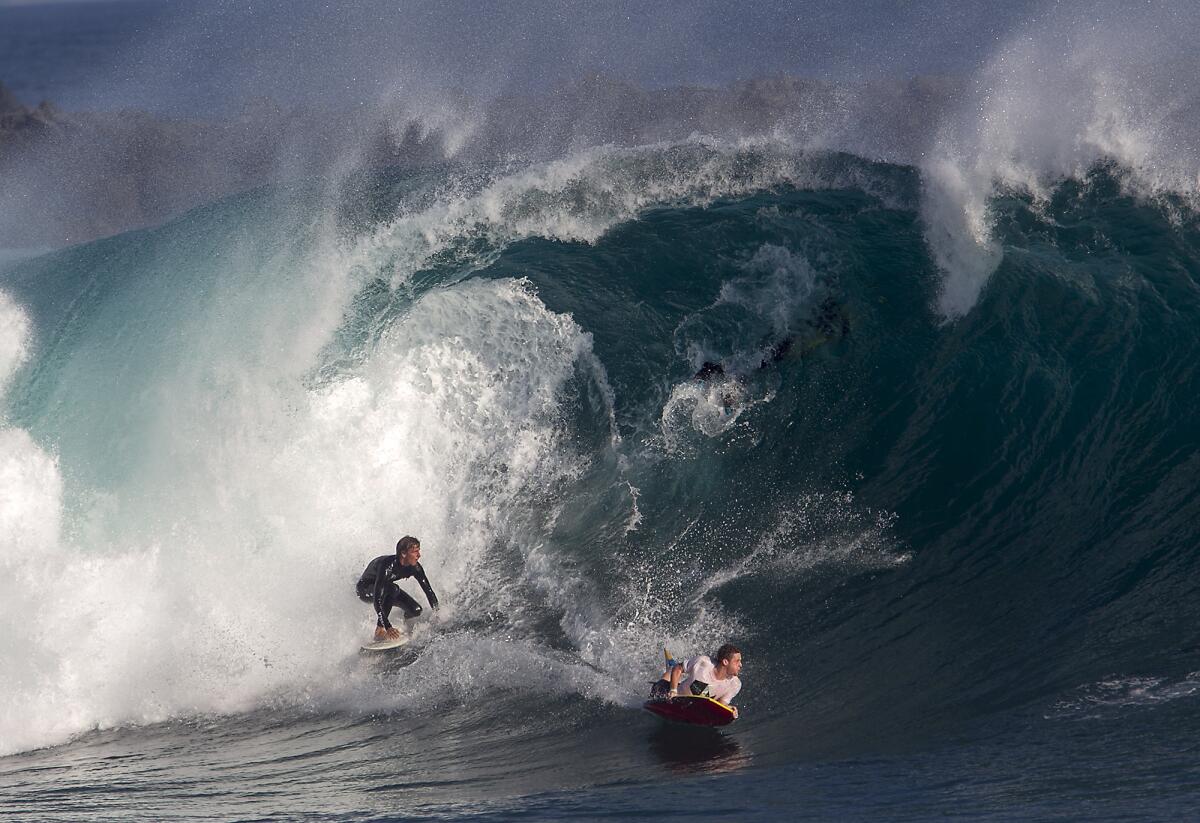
641,396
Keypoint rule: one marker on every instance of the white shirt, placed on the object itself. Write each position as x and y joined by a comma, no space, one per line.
699,677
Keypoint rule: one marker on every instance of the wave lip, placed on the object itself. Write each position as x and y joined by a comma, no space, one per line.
1060,97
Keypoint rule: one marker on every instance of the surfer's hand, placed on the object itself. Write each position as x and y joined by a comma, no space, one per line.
735,714
392,633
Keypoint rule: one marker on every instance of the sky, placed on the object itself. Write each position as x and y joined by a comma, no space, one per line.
201,56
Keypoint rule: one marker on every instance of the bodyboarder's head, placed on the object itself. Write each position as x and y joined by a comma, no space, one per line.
729,657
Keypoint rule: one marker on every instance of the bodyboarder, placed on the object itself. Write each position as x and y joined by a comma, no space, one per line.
699,675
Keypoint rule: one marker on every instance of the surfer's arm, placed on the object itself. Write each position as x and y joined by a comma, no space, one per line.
423,581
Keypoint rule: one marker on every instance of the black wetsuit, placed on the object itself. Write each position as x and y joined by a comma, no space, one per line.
377,585
774,353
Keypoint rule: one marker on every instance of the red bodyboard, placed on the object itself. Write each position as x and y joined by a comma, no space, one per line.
694,709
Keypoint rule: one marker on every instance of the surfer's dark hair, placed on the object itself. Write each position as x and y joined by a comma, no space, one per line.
405,543
725,653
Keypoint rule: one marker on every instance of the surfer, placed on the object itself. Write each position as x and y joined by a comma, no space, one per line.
700,676
829,323
773,353
377,586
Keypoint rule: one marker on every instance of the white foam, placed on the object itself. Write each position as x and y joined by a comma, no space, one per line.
710,407
234,585
1115,694
30,524
778,286
14,339
30,497
30,485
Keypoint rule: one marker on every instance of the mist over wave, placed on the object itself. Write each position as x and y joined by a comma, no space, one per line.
1028,98
1061,96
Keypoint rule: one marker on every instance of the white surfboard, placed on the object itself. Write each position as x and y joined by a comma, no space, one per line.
381,645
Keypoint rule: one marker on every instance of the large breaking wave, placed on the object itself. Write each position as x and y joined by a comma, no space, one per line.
211,426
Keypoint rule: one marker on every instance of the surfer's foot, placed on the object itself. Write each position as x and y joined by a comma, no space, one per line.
381,633
392,634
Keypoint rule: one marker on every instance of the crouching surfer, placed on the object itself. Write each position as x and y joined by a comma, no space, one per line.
699,675
378,586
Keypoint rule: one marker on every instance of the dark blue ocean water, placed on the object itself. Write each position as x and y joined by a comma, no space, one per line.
957,551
